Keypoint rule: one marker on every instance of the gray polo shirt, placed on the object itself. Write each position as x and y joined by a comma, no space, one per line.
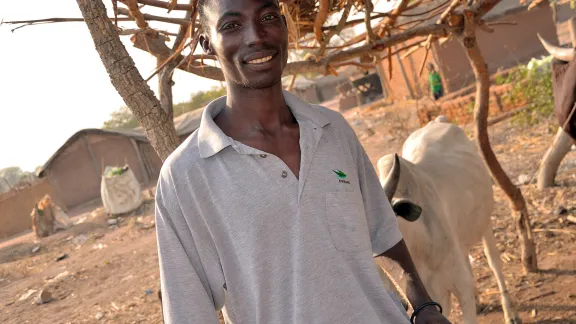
236,229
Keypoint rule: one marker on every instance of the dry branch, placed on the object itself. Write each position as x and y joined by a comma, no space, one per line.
368,7
166,5
132,31
337,30
320,66
178,21
166,69
517,202
555,230
306,16
48,21
355,22
425,12
388,22
453,5
134,12
323,12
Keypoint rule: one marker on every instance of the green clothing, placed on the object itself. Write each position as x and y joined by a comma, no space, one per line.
435,82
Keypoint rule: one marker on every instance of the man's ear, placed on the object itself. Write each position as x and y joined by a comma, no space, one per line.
205,43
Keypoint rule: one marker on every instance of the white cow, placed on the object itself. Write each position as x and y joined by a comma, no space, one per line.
442,193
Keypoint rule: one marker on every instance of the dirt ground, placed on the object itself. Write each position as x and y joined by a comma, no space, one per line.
110,272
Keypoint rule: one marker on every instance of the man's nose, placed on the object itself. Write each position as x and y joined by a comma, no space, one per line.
255,34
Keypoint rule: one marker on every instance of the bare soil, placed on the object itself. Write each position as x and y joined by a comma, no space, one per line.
111,275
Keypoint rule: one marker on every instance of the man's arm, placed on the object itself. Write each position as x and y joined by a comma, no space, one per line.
415,290
386,237
190,276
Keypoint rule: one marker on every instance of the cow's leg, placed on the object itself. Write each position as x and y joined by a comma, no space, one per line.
493,256
445,300
464,288
479,307
439,284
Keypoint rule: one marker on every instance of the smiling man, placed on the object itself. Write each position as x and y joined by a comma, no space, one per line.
272,209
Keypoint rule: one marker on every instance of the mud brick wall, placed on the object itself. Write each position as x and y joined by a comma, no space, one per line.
460,110
16,206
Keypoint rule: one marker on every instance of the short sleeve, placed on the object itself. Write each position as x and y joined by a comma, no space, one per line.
382,222
190,274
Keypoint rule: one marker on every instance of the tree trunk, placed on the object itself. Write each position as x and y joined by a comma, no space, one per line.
553,158
127,80
165,85
517,203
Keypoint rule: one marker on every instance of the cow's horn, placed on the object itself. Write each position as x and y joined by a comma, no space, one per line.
391,182
559,53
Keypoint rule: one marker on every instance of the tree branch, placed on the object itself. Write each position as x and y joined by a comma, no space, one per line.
453,5
132,31
354,22
518,204
425,12
337,30
321,16
389,21
166,5
178,21
166,69
134,12
159,49
368,7
483,7
49,21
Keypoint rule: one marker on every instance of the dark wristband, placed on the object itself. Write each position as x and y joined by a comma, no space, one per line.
421,307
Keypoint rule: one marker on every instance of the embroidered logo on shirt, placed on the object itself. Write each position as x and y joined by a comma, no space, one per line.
341,175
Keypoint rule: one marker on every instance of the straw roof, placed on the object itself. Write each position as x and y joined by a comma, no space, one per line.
316,28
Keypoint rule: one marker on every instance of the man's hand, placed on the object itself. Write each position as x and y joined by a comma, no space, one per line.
430,315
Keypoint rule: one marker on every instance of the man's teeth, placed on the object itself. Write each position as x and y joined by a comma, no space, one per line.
262,60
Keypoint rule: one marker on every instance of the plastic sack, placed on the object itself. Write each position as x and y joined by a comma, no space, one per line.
120,190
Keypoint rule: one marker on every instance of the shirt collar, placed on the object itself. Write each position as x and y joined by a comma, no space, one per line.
211,139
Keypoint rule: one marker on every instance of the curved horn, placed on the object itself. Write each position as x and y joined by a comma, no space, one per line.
391,182
559,53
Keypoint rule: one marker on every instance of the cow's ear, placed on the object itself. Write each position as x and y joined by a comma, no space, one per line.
407,209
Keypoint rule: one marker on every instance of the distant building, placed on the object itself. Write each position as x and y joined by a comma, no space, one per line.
507,47
350,88
75,169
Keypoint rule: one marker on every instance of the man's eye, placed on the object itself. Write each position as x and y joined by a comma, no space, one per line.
269,17
230,26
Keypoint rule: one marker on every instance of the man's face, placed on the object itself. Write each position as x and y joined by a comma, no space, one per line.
250,40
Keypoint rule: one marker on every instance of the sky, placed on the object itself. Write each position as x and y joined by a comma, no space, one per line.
53,84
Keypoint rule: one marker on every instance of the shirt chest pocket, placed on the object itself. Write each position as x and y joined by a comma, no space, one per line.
346,222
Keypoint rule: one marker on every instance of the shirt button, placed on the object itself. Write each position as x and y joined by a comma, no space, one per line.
263,156
284,174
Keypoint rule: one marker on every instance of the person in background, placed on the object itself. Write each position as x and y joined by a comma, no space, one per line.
435,82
